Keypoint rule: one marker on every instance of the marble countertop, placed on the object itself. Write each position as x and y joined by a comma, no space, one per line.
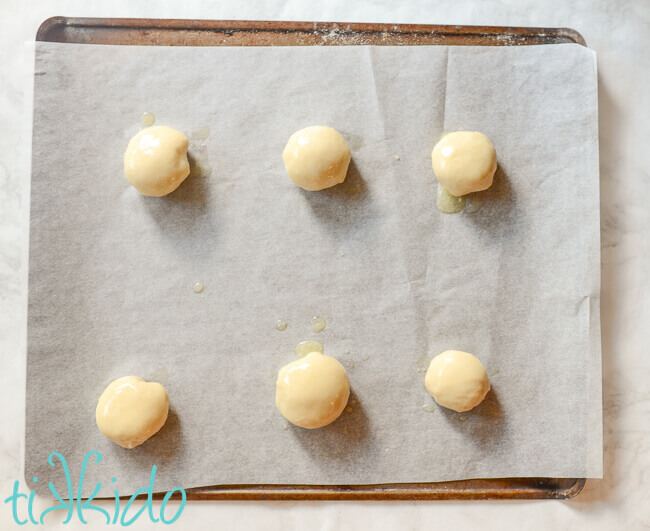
618,31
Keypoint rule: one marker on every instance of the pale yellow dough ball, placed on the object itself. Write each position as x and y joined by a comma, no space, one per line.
457,380
155,161
316,157
130,410
312,391
464,162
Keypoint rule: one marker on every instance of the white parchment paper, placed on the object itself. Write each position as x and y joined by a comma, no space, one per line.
516,283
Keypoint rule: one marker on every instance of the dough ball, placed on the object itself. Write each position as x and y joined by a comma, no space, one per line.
155,162
457,380
316,157
312,391
131,410
464,162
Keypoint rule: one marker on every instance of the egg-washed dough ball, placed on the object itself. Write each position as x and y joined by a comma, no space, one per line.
457,380
312,391
131,410
316,157
155,161
464,162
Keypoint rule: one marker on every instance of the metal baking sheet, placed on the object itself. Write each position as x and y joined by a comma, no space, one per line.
250,33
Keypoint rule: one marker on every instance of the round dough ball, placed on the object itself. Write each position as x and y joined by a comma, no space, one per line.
155,161
313,391
457,380
131,410
464,162
316,157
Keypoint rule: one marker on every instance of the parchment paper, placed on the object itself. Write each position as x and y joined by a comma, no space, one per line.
516,283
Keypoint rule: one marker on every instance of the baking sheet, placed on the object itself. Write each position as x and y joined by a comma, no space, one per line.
517,283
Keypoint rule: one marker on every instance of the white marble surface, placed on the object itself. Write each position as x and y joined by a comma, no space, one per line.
618,31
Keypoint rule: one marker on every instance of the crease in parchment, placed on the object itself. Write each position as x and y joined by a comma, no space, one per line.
380,108
418,270
444,96
420,323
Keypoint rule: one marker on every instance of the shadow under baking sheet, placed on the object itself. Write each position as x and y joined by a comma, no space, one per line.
612,197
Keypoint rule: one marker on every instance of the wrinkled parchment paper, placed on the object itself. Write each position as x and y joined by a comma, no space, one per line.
517,283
